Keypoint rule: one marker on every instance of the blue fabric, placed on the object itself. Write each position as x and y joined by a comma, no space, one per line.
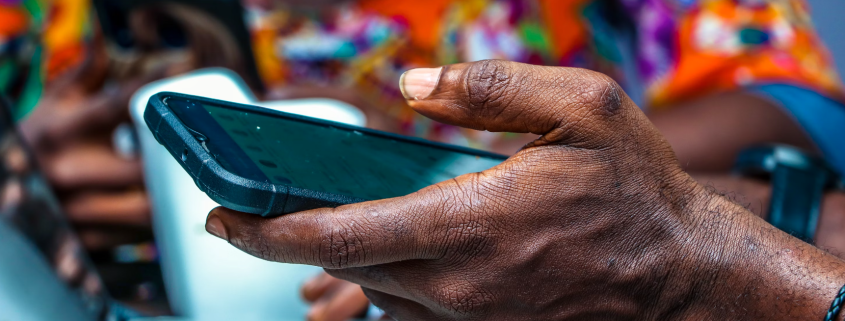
822,118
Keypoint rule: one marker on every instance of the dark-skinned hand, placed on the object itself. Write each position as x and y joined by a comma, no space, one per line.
593,220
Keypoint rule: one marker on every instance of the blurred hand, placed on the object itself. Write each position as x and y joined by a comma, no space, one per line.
593,220
71,133
334,299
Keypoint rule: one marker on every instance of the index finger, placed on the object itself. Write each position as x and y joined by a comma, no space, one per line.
355,235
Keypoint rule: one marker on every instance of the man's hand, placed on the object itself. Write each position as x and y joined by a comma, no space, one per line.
595,219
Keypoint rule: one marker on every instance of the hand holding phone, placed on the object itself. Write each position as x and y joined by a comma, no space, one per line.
597,209
267,162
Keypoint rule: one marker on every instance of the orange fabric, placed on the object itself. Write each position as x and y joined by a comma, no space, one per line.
270,67
64,58
424,18
802,60
565,26
719,45
64,35
66,23
14,21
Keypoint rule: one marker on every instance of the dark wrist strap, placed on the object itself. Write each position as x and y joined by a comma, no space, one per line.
836,306
796,200
798,182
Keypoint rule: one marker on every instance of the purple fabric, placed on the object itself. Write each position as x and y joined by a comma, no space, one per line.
656,24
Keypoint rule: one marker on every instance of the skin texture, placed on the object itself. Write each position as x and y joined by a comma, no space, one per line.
338,300
595,219
754,195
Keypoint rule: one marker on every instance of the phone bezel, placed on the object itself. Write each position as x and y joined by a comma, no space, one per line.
248,195
218,143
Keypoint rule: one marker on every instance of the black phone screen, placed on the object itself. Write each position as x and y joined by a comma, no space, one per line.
324,156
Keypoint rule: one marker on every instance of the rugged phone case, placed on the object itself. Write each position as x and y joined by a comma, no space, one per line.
230,190
246,195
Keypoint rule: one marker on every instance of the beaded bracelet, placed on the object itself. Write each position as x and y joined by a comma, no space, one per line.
836,305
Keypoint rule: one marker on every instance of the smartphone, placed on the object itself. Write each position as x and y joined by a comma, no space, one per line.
266,162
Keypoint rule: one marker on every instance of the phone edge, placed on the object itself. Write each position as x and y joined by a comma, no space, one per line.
228,189
294,199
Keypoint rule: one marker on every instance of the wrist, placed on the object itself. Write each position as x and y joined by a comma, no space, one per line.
755,194
734,265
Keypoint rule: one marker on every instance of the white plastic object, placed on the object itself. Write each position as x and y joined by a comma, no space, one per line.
206,278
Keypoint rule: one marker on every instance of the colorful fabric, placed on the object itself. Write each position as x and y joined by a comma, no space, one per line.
39,40
724,45
684,49
62,27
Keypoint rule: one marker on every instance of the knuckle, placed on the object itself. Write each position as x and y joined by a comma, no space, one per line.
342,246
488,83
602,93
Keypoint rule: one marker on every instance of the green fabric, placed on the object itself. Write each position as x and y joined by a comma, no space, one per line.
33,87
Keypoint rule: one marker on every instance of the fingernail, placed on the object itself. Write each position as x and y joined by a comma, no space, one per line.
417,84
215,226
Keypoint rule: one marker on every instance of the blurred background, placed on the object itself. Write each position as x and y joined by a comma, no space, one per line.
715,76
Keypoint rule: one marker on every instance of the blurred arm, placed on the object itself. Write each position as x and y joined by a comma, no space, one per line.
707,134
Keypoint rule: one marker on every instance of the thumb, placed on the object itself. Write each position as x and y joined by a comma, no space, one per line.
565,105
